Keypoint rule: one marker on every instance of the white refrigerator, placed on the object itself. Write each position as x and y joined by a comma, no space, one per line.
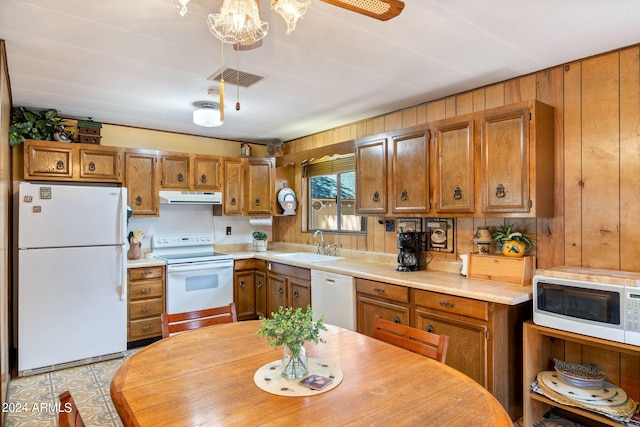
71,281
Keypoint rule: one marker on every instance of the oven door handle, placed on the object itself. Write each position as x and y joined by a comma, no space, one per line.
176,269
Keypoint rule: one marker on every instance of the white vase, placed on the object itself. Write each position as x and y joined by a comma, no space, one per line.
259,245
294,366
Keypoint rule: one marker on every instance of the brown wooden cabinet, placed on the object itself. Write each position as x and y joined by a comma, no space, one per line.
233,203
371,175
455,165
141,181
183,171
146,302
207,173
260,187
176,171
63,161
410,171
261,288
249,288
287,286
391,302
621,363
516,166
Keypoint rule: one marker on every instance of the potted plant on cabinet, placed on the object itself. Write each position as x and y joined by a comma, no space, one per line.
259,241
511,242
40,125
290,328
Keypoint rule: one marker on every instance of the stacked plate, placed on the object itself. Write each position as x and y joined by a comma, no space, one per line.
581,375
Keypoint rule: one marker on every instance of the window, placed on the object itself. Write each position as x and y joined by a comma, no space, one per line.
332,190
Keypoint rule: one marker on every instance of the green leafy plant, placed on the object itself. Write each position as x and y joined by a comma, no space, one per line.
32,125
504,234
291,327
259,235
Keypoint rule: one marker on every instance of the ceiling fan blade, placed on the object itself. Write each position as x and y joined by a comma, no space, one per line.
378,9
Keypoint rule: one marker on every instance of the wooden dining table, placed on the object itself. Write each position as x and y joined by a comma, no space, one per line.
205,377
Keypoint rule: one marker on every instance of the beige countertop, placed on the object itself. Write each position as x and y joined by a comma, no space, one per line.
145,262
436,281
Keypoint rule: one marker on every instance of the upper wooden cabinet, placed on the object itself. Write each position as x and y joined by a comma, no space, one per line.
233,203
454,165
516,167
371,175
249,186
141,181
182,171
64,161
410,171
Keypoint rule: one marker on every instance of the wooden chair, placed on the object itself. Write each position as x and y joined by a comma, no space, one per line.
179,322
423,342
69,415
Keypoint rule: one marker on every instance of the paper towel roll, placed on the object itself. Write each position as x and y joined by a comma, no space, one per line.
261,220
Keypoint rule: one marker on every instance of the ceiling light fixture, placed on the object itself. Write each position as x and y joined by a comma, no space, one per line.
290,10
207,114
238,21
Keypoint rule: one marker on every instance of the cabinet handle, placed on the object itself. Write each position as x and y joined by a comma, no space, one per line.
92,166
146,273
146,310
180,177
403,195
233,201
242,284
295,294
145,290
59,165
260,284
500,193
147,327
376,196
203,178
257,201
378,290
430,329
280,290
457,194
396,320
269,266
446,304
138,201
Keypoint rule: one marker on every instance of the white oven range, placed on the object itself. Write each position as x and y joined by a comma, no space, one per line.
198,277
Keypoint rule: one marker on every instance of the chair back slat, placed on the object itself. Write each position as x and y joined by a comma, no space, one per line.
69,415
426,343
180,322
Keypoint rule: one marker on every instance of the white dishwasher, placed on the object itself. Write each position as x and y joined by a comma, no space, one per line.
334,297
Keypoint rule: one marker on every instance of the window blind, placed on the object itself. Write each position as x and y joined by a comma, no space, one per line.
329,167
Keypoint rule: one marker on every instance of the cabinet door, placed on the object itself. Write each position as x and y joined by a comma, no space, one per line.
468,343
300,293
244,294
48,162
455,166
207,173
277,295
233,186
410,178
505,162
259,187
100,164
261,293
140,180
371,176
369,307
175,172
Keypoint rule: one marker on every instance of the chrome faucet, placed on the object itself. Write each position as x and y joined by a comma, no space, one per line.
319,248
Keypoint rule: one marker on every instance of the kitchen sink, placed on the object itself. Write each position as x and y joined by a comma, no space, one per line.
308,257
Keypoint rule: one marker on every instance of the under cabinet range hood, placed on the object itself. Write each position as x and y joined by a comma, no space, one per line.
190,197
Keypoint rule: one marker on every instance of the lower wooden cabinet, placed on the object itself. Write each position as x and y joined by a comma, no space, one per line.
485,338
249,288
287,286
146,302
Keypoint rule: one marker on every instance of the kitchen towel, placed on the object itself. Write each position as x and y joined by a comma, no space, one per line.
261,220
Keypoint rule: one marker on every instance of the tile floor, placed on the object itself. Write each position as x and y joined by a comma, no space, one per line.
31,401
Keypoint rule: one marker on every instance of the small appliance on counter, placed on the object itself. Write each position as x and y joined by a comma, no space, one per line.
410,248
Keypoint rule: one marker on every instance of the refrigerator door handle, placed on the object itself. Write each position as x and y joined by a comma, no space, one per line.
123,274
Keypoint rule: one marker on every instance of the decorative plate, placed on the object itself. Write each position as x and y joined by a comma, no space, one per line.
553,381
286,194
585,371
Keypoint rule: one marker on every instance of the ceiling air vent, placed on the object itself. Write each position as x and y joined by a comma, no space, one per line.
231,76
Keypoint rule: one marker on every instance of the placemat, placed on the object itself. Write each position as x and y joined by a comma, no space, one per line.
269,379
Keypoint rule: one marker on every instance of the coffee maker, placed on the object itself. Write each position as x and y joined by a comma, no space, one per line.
410,247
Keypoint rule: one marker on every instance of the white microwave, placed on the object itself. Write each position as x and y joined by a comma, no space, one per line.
594,309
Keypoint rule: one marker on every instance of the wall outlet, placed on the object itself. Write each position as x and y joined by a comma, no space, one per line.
389,225
228,231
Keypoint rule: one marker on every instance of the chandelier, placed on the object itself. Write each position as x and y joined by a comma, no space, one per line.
238,21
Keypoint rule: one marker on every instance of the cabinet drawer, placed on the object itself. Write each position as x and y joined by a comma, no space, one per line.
453,304
383,290
244,264
146,289
290,270
146,328
146,308
145,273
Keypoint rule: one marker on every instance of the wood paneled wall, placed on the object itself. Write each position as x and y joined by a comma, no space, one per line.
597,162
